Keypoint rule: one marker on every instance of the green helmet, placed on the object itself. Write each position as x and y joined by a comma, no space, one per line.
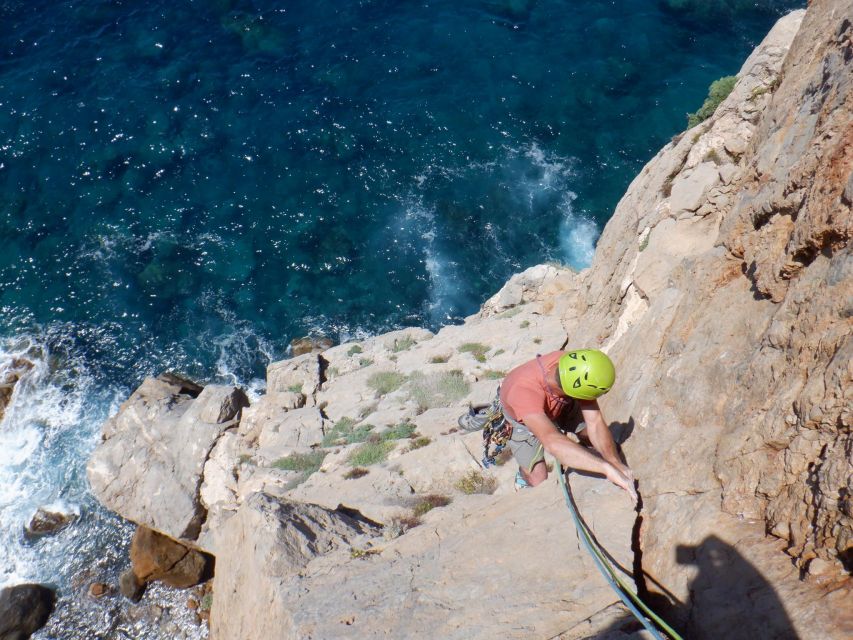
586,374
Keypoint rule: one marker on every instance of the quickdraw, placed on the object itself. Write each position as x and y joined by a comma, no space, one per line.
496,433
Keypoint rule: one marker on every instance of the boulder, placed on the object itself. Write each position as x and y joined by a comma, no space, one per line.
268,409
9,377
297,429
149,466
49,520
309,344
155,556
24,609
298,375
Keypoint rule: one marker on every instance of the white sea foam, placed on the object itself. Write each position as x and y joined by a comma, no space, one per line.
578,234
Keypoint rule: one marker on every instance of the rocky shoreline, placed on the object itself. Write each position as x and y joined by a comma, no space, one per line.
344,503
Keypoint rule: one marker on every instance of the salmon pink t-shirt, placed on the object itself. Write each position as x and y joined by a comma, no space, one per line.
525,392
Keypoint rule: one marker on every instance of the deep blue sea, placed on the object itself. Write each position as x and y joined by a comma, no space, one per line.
191,185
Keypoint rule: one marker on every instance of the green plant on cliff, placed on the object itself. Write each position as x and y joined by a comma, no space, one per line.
438,389
717,92
306,463
476,349
427,503
398,432
345,431
476,482
370,453
403,344
384,382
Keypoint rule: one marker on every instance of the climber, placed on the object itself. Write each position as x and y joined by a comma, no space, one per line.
554,394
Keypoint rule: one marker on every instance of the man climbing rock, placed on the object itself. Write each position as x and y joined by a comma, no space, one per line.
550,396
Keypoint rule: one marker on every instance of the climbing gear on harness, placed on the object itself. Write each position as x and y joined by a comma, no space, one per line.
496,429
520,482
586,374
648,618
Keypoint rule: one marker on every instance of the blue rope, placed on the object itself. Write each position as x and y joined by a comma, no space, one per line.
605,569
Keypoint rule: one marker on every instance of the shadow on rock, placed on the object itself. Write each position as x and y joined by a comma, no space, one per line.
729,596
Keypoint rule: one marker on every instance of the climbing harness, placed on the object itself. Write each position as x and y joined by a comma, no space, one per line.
496,433
648,618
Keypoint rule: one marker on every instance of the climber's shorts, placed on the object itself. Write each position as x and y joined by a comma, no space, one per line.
526,448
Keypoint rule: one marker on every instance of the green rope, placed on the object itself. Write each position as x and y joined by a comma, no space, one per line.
622,588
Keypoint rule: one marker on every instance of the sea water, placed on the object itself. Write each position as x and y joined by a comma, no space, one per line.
190,185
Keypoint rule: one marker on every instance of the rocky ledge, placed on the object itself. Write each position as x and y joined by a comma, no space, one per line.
344,503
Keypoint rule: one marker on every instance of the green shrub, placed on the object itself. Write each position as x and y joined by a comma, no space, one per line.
537,340
399,432
206,602
514,311
524,324
439,359
345,431
364,362
713,156
437,389
476,482
356,472
428,503
717,92
493,374
419,443
498,352
475,349
295,388
306,463
370,453
354,349
384,382
403,344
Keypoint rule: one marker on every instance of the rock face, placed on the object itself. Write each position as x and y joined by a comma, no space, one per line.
508,567
721,288
24,609
729,320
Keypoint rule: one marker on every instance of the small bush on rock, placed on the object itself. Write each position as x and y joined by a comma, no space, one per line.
345,431
384,382
717,92
475,482
403,344
370,453
438,389
419,443
357,472
399,432
475,349
429,502
354,349
306,463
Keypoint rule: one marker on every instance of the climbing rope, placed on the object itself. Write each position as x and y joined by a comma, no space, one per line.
622,588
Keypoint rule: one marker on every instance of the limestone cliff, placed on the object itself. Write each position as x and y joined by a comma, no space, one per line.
344,503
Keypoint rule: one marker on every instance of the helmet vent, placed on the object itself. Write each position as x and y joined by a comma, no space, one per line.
577,383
